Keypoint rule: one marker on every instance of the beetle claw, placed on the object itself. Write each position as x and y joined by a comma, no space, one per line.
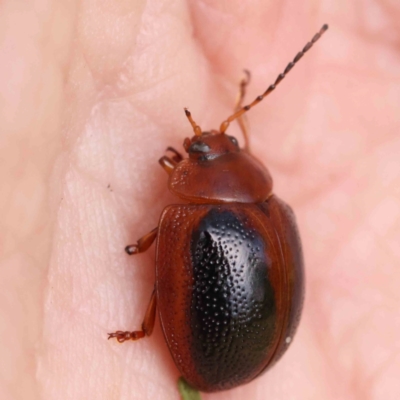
120,336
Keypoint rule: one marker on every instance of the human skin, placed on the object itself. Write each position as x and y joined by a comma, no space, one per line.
91,94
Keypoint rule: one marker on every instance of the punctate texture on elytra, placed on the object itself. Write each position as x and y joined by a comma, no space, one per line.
229,293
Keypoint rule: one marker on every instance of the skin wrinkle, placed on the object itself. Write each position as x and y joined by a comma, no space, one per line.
210,6
335,374
337,179
132,96
347,235
384,366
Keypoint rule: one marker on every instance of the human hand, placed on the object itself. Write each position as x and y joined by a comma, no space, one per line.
91,95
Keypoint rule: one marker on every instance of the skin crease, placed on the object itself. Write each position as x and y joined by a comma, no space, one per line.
91,94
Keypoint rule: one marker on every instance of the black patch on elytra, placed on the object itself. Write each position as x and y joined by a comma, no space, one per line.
233,311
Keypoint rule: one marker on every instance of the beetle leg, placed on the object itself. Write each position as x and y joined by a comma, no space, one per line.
143,243
239,102
147,324
177,156
167,163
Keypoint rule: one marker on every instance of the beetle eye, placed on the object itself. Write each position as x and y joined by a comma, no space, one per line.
199,147
234,140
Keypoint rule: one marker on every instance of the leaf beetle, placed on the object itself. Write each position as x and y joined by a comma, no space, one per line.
229,267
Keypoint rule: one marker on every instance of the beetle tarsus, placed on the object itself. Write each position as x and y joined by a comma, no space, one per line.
123,336
147,325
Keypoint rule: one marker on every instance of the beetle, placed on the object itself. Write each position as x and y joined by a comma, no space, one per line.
229,266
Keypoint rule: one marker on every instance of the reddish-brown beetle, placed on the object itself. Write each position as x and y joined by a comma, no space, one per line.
229,267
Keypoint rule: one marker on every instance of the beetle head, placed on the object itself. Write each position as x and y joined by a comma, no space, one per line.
217,171
210,145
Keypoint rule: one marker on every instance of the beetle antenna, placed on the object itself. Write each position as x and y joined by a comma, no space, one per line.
241,111
196,128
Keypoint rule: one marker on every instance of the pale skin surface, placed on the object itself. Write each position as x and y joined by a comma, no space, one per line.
91,94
